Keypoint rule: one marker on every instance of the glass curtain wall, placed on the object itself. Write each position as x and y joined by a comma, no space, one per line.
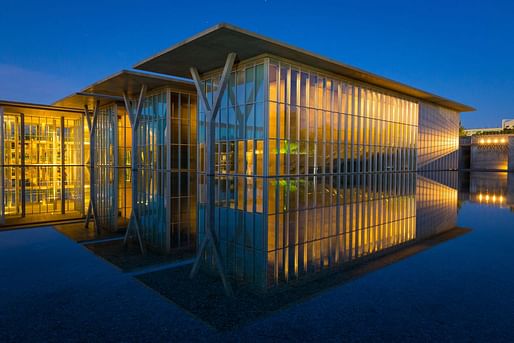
124,170
438,140
294,161
105,168
113,184
166,189
183,188
42,164
240,167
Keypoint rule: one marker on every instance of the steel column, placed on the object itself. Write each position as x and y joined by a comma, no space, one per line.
92,122
210,154
22,160
63,174
82,163
134,121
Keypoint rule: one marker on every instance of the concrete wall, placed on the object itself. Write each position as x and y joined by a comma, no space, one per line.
491,152
464,153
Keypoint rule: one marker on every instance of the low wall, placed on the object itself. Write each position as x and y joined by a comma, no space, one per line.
492,152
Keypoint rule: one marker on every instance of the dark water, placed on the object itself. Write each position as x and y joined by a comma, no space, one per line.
458,288
448,277
461,290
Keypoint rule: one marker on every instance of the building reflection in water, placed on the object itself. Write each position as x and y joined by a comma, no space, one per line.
314,224
488,188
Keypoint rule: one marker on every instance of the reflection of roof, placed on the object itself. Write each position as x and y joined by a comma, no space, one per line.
113,87
35,109
208,50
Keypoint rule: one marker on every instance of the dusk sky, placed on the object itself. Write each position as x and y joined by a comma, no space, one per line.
462,50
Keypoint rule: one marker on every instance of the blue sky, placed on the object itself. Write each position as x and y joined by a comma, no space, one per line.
463,50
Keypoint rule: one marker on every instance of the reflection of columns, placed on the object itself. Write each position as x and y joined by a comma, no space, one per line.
210,155
2,180
134,123
91,123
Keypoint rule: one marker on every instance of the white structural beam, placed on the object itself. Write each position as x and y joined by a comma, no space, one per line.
210,115
134,112
92,123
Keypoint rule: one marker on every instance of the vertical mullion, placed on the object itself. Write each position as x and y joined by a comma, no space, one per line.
22,160
82,165
63,175
114,121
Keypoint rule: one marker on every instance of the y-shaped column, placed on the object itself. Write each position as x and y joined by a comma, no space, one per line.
91,124
210,154
134,112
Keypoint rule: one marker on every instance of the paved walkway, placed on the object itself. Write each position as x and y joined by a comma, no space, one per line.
53,289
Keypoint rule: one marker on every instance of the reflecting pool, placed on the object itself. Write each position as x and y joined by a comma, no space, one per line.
316,224
436,257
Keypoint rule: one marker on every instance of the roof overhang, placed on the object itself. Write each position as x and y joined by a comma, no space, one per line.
129,82
208,50
35,109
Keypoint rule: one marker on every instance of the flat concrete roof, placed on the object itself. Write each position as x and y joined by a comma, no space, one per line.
208,51
112,88
34,109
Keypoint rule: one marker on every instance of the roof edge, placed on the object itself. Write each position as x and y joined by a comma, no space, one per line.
397,86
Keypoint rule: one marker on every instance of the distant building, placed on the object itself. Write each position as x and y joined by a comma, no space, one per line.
490,130
508,124
487,152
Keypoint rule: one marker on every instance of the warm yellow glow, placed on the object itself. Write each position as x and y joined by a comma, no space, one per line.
494,199
492,141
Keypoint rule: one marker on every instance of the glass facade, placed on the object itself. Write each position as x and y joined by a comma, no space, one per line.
41,158
105,167
438,140
166,170
311,170
112,182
